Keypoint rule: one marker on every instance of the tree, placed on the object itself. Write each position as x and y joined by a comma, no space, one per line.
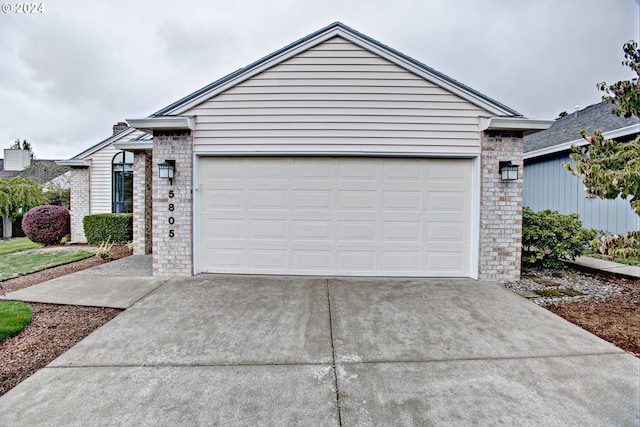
24,145
18,195
611,168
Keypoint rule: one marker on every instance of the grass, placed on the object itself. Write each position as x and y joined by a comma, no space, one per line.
21,263
17,245
14,317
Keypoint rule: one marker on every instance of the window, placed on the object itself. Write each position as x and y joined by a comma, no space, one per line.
122,183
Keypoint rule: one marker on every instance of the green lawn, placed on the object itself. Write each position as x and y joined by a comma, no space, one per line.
17,245
21,263
14,317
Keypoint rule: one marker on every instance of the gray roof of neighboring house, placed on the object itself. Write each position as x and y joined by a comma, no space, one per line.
565,129
330,27
41,170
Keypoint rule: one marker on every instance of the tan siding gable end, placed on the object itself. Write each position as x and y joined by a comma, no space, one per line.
340,94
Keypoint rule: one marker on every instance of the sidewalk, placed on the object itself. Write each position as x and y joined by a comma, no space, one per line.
607,266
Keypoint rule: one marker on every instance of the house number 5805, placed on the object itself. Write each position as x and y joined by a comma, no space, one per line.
171,209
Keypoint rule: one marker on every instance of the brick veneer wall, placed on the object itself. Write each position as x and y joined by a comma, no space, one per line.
500,208
173,256
142,203
79,181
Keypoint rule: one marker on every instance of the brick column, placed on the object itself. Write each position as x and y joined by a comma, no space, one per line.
142,203
500,208
80,183
173,205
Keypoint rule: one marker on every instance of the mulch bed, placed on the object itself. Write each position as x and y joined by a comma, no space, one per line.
615,319
55,328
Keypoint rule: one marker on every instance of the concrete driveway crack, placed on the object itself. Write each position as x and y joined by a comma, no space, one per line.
333,355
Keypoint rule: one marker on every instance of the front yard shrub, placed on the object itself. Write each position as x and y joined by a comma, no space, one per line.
115,228
615,246
549,237
46,224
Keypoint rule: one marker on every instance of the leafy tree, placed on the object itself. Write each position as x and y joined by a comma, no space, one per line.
18,195
24,145
611,168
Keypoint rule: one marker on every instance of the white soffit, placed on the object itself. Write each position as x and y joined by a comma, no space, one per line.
514,123
149,124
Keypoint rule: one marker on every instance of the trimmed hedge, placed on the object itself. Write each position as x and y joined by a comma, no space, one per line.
114,228
46,224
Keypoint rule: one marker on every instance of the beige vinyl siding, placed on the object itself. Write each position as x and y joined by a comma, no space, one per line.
100,175
340,95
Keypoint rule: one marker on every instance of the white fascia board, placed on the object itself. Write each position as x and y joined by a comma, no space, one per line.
134,145
566,146
514,123
149,124
75,163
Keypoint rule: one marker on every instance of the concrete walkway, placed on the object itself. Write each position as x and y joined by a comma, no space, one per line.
117,284
607,266
227,350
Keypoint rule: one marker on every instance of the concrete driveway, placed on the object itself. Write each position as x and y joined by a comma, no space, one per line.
226,350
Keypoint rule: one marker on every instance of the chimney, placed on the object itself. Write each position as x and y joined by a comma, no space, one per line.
119,127
16,159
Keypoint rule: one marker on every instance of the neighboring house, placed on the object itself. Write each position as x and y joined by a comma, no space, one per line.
18,164
335,155
547,185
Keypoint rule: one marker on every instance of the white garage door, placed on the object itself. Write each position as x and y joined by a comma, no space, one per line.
335,216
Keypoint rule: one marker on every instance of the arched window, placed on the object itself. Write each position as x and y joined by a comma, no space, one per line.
122,183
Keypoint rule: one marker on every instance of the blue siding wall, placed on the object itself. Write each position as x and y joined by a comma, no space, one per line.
547,185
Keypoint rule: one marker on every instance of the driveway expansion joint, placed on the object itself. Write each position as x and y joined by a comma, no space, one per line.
333,354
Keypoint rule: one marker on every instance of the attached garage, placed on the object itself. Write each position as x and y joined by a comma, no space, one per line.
335,155
343,216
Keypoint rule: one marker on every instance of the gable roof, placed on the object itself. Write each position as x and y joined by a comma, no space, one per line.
564,132
313,39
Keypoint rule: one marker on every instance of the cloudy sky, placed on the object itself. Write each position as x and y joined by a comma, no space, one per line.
69,73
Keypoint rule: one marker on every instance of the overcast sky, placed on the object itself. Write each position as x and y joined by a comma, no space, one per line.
69,73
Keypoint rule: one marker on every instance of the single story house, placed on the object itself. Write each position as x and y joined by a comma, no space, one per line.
547,185
335,155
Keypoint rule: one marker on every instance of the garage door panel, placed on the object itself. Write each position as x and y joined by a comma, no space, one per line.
406,262
335,216
358,261
312,199
313,261
402,201
268,259
260,229
312,230
357,200
350,231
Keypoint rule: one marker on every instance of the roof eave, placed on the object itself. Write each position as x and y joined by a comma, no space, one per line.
514,124
163,123
566,146
134,146
75,163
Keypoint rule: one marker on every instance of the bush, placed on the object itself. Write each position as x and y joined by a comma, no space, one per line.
614,246
115,228
46,224
549,236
